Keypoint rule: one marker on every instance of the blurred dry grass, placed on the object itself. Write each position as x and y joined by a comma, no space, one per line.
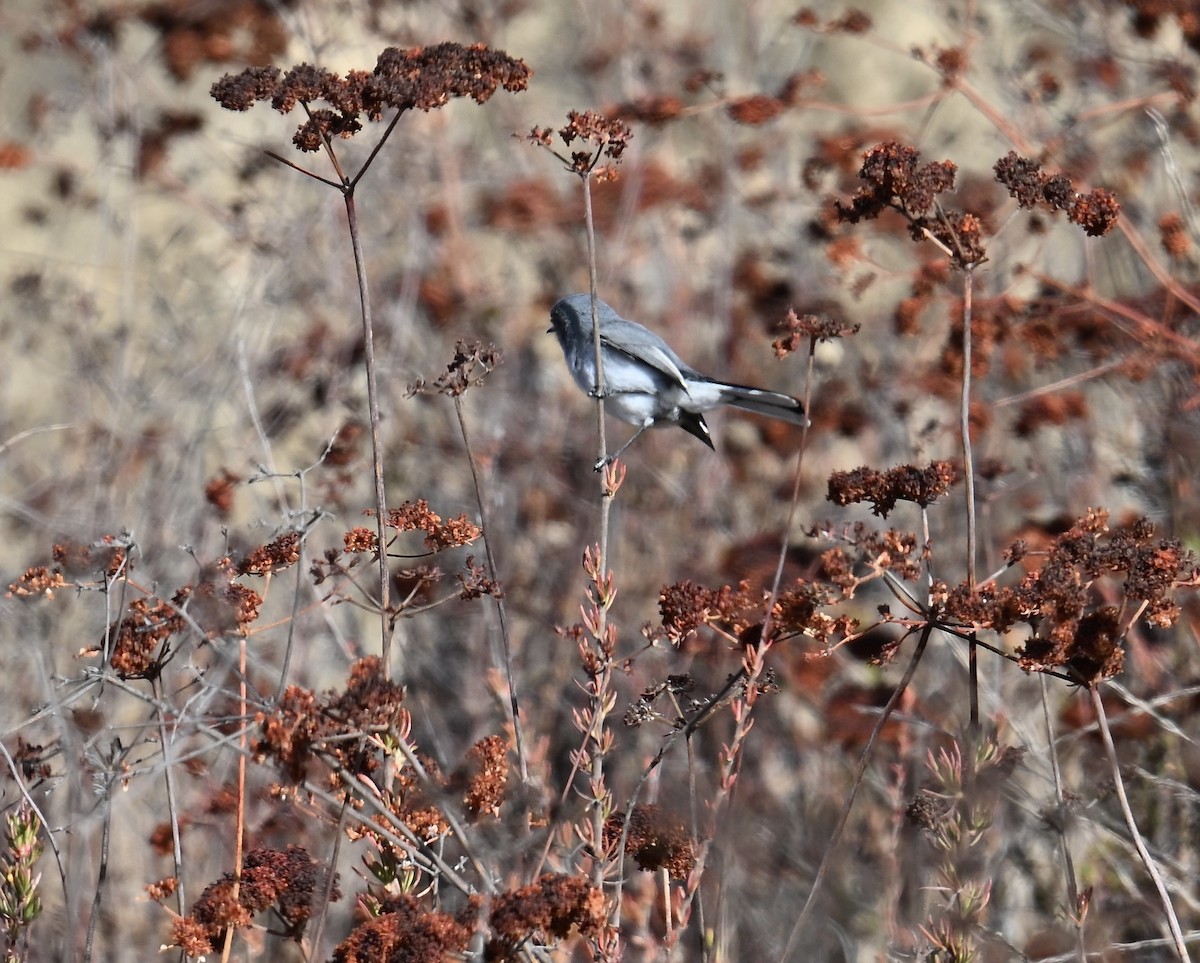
176,306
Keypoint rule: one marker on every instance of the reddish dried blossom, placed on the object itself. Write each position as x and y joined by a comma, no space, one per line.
1096,212
802,330
1071,630
604,137
301,723
550,906
883,489
657,840
139,640
685,606
402,932
896,181
275,556
485,775
38,580
892,550
287,880
471,364
417,516
359,540
422,78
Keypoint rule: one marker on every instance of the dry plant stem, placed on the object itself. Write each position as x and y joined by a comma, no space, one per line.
859,773
289,647
102,875
240,830
1073,908
385,616
330,880
603,678
346,186
501,613
172,805
969,478
1136,836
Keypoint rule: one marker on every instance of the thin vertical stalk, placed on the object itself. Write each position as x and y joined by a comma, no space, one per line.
969,478
364,298
596,775
1134,833
501,611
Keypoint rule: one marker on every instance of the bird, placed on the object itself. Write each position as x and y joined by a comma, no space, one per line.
646,383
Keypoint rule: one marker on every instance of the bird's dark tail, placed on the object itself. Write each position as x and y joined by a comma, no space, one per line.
773,404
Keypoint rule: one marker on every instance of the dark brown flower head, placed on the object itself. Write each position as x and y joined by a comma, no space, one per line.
139,642
883,489
1096,211
657,840
400,931
421,78
800,330
287,880
602,136
275,556
552,905
897,181
417,516
471,364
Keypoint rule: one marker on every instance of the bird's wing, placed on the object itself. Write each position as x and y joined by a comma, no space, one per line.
644,345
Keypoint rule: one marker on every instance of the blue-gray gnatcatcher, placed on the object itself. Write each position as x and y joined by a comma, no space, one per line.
645,382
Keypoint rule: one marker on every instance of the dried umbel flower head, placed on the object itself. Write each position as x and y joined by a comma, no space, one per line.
656,840
471,364
895,180
1096,211
884,488
421,78
808,329
287,880
603,136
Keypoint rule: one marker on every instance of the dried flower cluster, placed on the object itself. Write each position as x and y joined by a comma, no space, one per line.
884,488
275,556
738,614
1074,627
1096,211
423,78
302,726
400,931
897,181
286,881
603,137
551,906
472,363
439,535
802,330
657,840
